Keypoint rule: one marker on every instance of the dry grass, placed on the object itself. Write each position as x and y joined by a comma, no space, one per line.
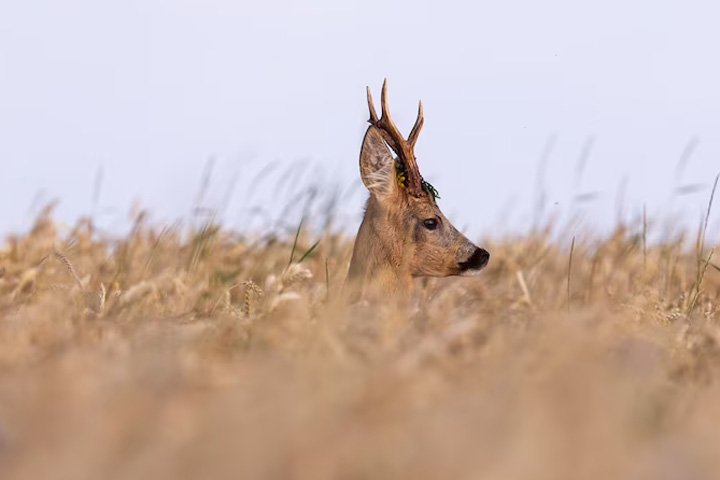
203,355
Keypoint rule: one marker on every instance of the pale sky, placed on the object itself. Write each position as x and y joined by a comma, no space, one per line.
146,91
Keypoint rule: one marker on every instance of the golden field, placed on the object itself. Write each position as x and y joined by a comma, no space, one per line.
180,354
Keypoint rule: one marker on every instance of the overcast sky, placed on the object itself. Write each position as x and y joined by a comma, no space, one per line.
142,93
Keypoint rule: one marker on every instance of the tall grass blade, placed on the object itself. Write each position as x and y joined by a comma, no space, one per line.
310,250
569,272
294,247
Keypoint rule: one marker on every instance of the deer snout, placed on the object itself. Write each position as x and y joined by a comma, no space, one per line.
477,260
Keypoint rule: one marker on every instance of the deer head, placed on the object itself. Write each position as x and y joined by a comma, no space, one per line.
403,233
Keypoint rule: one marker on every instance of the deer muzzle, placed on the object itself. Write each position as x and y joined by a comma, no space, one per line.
477,260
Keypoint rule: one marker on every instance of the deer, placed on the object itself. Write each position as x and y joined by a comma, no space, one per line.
403,233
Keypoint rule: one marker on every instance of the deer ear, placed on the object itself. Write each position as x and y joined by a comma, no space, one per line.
377,165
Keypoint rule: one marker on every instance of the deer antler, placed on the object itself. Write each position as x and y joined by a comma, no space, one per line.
403,148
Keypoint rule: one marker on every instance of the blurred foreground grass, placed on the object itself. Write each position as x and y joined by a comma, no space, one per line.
202,354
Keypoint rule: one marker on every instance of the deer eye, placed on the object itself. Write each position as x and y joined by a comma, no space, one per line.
430,223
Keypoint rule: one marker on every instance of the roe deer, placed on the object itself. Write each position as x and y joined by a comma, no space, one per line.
403,233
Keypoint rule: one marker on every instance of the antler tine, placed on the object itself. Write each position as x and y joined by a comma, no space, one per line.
385,130
386,120
403,148
383,103
417,127
373,114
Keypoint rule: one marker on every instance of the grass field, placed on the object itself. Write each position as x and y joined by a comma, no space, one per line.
207,354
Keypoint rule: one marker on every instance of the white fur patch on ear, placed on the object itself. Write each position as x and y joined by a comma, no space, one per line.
380,181
377,165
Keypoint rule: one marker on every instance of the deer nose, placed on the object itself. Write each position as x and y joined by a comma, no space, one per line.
477,260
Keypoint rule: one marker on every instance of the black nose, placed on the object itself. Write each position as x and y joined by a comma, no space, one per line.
477,260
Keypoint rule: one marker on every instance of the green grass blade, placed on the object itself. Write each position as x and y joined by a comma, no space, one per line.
310,250
294,247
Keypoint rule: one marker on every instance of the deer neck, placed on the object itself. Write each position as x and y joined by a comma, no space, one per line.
378,264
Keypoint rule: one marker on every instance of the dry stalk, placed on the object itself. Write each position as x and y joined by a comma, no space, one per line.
523,286
66,263
569,273
252,293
